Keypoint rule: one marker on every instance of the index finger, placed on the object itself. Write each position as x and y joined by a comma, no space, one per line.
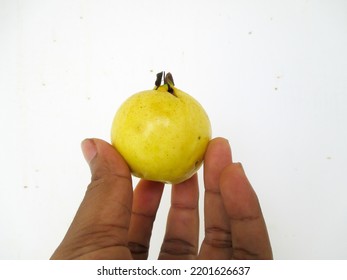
147,196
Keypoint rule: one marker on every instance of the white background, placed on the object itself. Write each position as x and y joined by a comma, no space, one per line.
272,76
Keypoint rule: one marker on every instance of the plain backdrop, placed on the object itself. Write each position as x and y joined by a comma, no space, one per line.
272,76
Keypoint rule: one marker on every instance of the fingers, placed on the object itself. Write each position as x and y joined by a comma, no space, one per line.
146,201
249,234
182,229
217,241
100,227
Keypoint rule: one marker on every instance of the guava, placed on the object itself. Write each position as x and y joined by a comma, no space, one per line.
162,133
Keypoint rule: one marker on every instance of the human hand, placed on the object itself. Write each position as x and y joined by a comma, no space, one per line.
115,222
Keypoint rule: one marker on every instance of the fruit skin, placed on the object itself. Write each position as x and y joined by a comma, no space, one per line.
162,136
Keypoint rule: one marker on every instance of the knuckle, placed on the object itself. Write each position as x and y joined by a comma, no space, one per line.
138,248
244,254
178,247
218,237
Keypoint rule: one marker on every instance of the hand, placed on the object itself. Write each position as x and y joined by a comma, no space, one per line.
115,222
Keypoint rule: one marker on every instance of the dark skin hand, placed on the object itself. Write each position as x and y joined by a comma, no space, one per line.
115,222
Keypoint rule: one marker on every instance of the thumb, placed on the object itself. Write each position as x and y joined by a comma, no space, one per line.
110,190
100,227
104,160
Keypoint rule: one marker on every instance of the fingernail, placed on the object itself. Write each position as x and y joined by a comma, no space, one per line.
89,149
238,165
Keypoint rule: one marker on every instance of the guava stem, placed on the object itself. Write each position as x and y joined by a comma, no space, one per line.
168,80
159,78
